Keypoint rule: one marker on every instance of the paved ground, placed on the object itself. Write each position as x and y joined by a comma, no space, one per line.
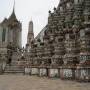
20,82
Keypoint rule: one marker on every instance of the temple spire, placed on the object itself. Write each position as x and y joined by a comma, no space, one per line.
14,7
30,36
13,16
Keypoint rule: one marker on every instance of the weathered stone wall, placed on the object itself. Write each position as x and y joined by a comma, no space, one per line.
65,42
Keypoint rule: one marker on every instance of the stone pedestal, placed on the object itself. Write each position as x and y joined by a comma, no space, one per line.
54,72
83,74
34,71
67,73
43,72
27,71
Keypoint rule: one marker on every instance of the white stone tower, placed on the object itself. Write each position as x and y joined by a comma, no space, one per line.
30,37
10,36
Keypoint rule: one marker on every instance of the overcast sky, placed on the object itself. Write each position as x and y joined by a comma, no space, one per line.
25,10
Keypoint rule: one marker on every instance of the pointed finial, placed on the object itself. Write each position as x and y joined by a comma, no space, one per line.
31,21
31,18
14,6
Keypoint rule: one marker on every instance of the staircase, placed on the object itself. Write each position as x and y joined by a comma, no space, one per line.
13,69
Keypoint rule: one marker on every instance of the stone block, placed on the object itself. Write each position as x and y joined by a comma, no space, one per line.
83,74
53,73
34,71
43,72
27,71
67,73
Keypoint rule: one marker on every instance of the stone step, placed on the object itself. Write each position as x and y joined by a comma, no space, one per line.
13,73
13,69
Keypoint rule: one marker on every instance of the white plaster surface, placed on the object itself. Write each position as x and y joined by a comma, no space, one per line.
53,72
27,70
34,71
43,72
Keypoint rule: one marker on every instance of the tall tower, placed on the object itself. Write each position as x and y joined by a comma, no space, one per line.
10,35
15,29
30,36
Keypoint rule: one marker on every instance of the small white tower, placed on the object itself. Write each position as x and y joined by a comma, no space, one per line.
30,37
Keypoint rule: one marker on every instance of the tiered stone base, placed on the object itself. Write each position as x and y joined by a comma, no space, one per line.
70,73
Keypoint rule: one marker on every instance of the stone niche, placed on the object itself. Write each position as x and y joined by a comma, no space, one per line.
83,74
53,72
34,71
43,72
67,73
